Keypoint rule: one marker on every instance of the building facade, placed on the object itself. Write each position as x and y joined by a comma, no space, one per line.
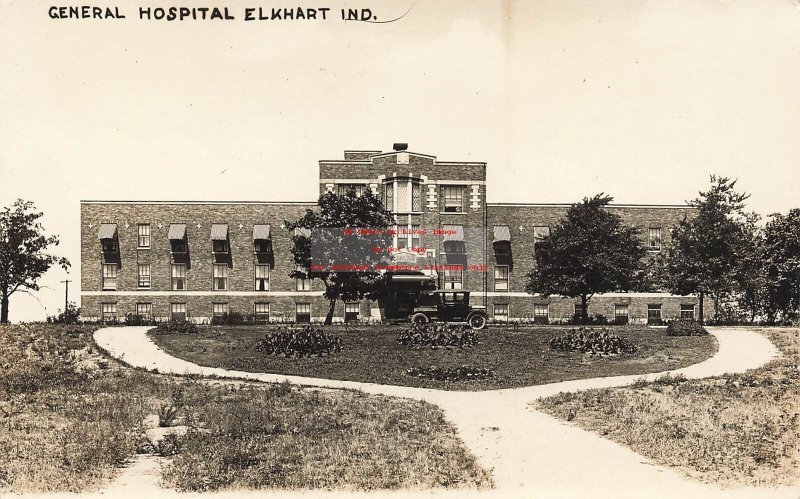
197,260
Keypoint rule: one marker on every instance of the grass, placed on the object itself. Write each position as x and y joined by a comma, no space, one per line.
70,418
519,357
741,429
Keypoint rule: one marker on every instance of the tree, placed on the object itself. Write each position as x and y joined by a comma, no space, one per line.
23,257
782,265
707,250
750,277
590,251
335,245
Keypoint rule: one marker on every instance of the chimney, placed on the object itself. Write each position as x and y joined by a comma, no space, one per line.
399,146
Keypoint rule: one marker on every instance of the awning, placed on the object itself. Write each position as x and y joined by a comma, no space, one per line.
219,232
453,233
108,231
303,231
261,232
177,232
502,234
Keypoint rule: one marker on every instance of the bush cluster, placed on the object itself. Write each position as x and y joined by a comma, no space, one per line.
238,319
299,341
685,327
592,342
438,335
462,373
175,326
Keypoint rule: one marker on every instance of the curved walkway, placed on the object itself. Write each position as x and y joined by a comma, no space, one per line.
526,450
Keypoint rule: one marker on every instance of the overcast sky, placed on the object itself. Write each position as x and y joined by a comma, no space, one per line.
641,100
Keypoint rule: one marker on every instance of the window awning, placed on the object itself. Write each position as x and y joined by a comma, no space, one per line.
502,234
107,231
453,233
177,232
219,232
261,232
303,231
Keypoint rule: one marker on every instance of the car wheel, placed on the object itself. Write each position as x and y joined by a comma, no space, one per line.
477,321
419,319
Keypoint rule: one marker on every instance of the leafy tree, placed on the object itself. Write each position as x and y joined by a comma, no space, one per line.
341,211
590,251
782,265
23,257
751,280
707,250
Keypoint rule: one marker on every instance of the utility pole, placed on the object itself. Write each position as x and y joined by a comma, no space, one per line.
66,294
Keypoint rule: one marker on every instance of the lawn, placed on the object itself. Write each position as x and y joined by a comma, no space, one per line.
519,357
741,429
71,417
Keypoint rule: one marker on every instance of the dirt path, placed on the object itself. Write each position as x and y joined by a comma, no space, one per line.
529,452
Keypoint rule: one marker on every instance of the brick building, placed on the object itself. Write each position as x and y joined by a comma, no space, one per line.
201,259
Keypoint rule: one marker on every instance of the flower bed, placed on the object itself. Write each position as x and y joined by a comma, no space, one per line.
684,327
592,342
300,342
438,335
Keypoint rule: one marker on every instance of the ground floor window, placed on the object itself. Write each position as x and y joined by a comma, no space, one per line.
108,312
351,312
501,312
261,311
621,314
303,313
453,279
219,309
687,311
178,311
654,313
541,313
144,311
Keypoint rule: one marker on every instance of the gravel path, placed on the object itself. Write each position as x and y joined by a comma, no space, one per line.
530,453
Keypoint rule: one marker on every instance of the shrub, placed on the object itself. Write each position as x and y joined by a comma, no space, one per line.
175,326
229,319
438,335
138,320
299,341
463,373
70,315
685,327
592,342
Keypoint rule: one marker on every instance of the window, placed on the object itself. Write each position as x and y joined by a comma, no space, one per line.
144,235
109,245
178,245
654,313
261,311
220,277
108,312
219,309
453,279
388,196
109,276
341,189
261,245
179,277
416,242
403,198
178,311
541,313
621,314
452,198
401,236
302,284
303,313
501,312
351,312
144,311
261,273
219,246
416,197
654,238
501,277
144,275
687,311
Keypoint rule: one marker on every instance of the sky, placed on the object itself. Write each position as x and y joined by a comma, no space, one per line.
638,99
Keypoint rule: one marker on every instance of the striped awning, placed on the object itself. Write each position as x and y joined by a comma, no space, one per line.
107,231
502,234
261,232
453,233
219,232
177,232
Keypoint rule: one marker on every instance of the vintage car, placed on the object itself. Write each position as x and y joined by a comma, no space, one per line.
448,306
